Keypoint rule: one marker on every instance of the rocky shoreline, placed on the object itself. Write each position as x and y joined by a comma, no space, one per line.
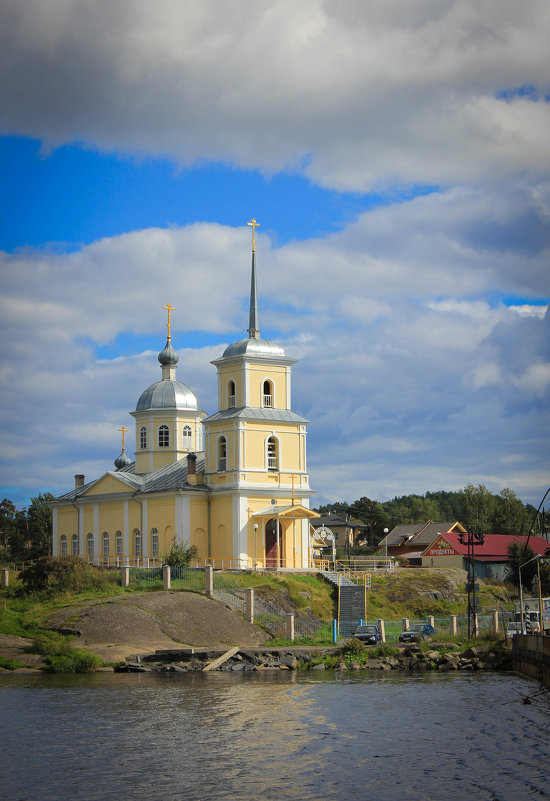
441,658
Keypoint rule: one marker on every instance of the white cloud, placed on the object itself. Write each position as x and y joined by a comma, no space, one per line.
356,95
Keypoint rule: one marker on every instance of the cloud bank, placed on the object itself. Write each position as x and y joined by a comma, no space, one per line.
355,95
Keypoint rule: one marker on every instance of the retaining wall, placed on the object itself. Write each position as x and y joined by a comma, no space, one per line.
531,656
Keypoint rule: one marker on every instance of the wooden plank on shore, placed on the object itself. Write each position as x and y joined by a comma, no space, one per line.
221,659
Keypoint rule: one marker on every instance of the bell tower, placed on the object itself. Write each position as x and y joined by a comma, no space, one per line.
255,445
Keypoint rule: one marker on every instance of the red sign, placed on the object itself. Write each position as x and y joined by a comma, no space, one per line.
442,548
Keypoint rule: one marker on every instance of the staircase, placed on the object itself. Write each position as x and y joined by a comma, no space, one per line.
352,601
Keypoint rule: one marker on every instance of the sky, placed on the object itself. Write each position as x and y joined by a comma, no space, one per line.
397,158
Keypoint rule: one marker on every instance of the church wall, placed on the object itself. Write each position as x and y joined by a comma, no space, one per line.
277,374
199,524
227,373
221,526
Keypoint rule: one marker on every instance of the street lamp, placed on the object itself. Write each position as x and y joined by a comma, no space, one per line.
386,532
538,558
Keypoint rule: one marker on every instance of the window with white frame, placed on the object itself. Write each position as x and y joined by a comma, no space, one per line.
272,454
231,395
74,545
118,543
137,541
90,544
164,436
186,437
105,543
154,542
222,454
63,545
142,437
268,394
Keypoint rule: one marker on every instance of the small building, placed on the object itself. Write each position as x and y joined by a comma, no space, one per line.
345,529
410,540
491,558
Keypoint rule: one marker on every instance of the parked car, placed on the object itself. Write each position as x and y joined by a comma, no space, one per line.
369,634
513,628
417,632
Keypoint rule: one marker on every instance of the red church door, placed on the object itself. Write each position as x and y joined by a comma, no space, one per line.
271,543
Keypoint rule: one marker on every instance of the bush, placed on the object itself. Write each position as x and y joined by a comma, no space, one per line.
181,555
61,657
353,647
53,575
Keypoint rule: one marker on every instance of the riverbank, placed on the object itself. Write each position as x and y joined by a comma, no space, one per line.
440,657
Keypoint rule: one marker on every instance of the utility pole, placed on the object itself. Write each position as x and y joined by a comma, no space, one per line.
471,538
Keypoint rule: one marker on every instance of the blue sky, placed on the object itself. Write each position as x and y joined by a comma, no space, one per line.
401,180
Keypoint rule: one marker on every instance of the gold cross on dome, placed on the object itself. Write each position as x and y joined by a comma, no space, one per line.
169,308
124,430
254,224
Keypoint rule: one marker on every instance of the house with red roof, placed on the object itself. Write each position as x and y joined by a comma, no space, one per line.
491,558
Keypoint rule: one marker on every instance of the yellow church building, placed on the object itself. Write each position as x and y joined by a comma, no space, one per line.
233,483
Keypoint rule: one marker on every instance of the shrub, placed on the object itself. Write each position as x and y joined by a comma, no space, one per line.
353,647
61,657
53,575
181,555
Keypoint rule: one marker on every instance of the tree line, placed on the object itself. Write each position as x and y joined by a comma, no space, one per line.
26,533
474,507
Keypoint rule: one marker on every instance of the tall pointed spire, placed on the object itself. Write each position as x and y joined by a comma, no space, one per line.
253,325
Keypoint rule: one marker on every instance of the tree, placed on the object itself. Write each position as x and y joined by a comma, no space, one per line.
510,516
478,505
518,555
8,516
39,515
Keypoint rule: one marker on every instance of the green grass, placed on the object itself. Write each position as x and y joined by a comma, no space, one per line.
305,591
11,664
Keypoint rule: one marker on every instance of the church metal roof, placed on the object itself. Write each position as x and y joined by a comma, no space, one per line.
167,394
171,476
248,413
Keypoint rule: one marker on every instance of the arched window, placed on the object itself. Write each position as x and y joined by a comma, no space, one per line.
118,543
90,544
74,545
164,437
63,545
137,541
231,395
222,454
268,394
186,437
272,454
154,542
142,437
105,543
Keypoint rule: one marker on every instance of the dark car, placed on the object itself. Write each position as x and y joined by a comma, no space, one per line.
370,635
417,632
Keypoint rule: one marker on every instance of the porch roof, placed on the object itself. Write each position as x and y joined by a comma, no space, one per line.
295,511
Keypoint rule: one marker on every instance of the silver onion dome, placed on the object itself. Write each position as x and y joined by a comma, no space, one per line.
254,347
168,356
167,394
122,461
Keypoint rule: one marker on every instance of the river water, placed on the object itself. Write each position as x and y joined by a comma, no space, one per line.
278,735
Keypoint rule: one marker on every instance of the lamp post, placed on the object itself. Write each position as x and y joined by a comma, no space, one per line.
537,557
386,532
470,538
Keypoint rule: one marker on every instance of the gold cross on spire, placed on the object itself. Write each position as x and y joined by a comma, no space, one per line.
124,430
253,223
169,308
